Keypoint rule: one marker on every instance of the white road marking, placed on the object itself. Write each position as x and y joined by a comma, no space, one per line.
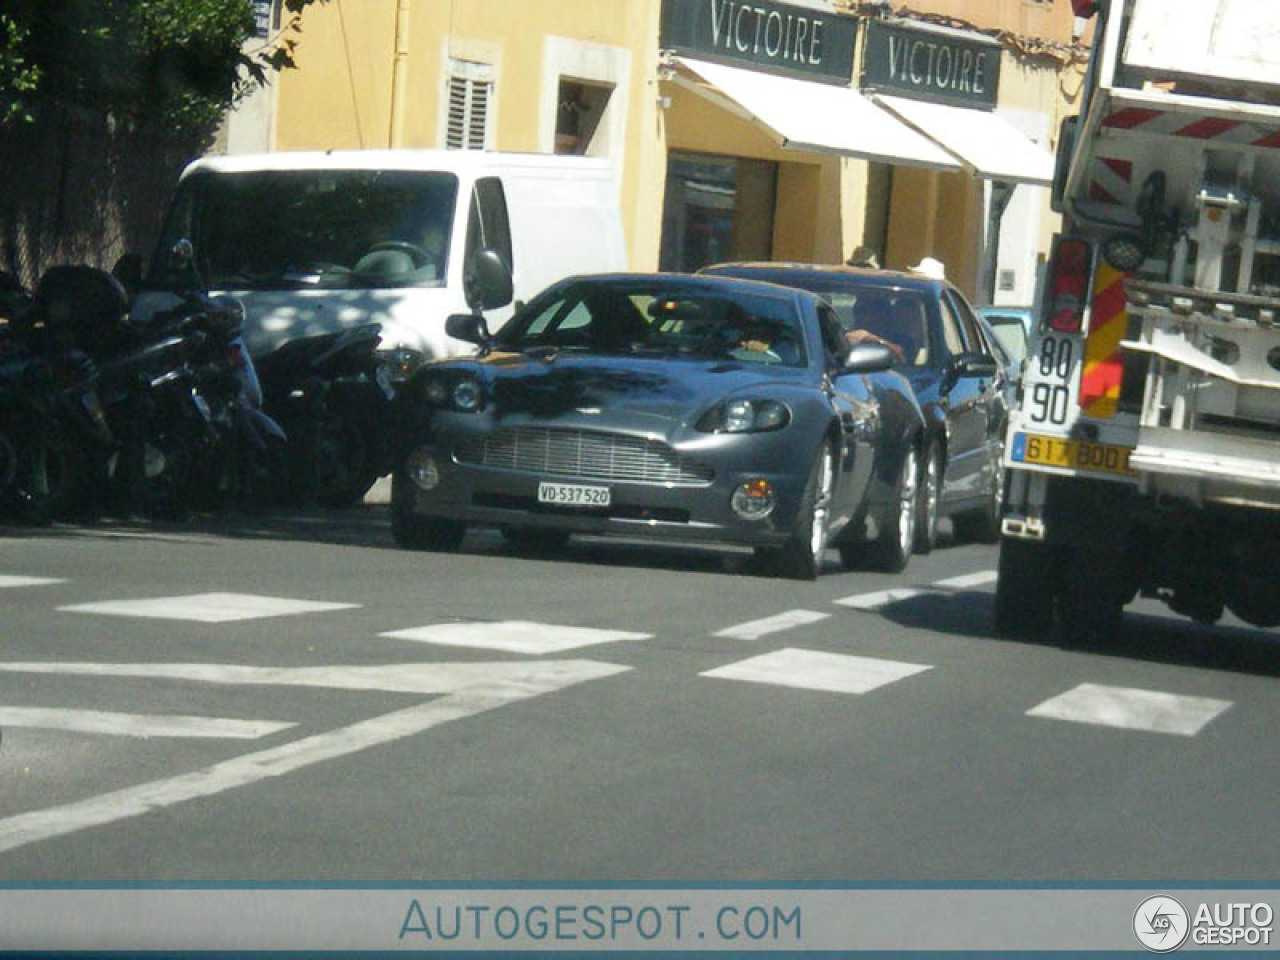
514,636
814,670
1132,709
882,598
15,581
469,689
208,607
137,724
755,629
979,579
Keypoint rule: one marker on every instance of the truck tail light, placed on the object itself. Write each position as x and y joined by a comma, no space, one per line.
1084,8
1067,291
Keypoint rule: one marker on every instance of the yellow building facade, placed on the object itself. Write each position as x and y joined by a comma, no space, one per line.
736,129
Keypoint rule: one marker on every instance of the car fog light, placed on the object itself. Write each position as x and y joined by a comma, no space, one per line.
420,467
753,500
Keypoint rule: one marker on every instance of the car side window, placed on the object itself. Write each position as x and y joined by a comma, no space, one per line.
969,323
952,334
834,344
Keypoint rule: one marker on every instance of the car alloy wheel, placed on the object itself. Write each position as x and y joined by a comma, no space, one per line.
893,548
800,558
927,497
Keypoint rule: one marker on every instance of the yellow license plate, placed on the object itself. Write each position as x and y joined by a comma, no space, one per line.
1071,454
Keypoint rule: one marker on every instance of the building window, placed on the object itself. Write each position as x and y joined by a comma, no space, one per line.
716,209
579,107
470,90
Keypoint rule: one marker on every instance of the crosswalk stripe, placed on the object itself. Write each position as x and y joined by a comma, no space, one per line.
514,636
1132,709
16,581
754,629
815,670
473,692
137,724
882,598
207,607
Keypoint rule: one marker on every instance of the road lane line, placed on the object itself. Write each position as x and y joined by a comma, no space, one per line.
16,581
513,636
137,724
815,670
505,683
1132,709
755,629
881,598
979,579
208,607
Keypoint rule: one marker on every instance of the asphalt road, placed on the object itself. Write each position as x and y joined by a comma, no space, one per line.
290,697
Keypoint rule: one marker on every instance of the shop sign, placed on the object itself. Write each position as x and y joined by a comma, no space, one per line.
931,64
760,33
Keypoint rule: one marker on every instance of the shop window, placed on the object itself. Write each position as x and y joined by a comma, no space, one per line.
716,209
470,90
579,107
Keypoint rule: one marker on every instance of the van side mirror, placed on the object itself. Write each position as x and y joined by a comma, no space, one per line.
488,283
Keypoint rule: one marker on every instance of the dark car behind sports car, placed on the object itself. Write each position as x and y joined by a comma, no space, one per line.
960,383
665,406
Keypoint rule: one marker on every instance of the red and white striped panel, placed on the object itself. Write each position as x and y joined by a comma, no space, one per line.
1112,181
1171,124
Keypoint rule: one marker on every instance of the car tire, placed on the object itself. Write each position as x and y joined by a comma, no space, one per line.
928,496
892,548
800,558
1024,590
983,526
412,530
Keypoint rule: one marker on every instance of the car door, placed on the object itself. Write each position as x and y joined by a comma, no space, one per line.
966,400
858,410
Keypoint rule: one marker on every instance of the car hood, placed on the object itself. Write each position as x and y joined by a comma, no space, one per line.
640,393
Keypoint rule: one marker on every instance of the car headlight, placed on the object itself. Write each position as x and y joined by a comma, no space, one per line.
745,416
398,364
454,391
467,395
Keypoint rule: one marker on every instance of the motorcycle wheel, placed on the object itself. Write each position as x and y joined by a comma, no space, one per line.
339,468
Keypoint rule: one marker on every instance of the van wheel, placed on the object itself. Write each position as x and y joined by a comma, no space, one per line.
414,531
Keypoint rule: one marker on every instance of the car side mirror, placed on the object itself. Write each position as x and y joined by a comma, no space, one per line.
974,365
488,284
469,327
868,357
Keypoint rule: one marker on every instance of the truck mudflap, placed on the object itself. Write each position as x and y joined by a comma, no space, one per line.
1207,427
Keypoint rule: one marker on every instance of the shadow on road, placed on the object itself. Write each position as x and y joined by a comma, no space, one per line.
1140,636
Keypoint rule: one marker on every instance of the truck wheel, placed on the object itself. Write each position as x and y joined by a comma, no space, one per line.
1089,598
412,530
1024,589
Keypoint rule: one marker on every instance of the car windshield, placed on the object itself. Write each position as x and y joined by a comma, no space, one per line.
294,229
655,316
1011,334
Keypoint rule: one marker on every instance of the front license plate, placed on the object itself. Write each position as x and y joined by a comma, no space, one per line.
1072,454
573,495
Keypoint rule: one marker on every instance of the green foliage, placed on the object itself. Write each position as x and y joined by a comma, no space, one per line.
178,63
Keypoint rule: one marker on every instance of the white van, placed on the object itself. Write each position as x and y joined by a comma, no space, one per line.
313,242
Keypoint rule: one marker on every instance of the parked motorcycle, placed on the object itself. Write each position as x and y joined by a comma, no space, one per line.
332,393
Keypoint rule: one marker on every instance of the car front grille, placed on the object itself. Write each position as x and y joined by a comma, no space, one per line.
582,453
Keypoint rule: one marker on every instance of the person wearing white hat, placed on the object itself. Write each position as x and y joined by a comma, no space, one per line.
931,267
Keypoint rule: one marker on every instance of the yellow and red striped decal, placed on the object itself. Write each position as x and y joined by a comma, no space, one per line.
1100,380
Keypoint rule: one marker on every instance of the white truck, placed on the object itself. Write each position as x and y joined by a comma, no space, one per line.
1144,457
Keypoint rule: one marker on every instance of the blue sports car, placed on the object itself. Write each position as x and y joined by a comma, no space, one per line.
665,406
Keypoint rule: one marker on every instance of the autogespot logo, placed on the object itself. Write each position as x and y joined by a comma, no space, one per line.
1161,924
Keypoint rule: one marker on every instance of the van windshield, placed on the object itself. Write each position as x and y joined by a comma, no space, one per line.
295,229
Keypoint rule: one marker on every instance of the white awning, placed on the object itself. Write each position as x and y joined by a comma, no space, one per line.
987,143
821,117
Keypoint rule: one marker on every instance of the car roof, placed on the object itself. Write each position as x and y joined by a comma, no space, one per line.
870,275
